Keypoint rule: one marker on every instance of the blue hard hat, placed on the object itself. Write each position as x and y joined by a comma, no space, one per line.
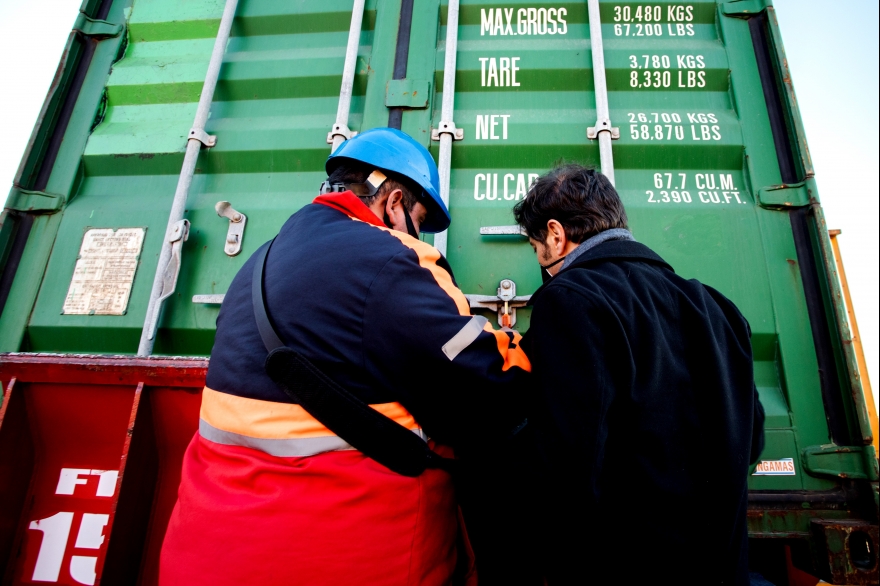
391,150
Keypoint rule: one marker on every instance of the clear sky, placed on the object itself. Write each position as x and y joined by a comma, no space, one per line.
832,49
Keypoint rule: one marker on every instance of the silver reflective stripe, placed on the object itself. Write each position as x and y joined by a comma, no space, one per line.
282,448
465,337
307,446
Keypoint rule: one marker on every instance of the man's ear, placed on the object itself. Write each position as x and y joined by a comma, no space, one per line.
556,236
395,198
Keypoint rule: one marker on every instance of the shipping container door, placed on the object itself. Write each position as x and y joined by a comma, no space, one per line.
695,147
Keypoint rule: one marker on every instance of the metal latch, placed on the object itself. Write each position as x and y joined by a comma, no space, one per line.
603,125
502,231
505,303
237,221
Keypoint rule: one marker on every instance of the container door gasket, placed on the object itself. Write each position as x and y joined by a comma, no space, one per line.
829,381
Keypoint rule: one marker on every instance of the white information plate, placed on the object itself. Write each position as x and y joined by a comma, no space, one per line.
783,467
104,272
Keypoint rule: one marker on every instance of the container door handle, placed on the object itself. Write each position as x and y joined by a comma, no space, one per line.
502,231
172,270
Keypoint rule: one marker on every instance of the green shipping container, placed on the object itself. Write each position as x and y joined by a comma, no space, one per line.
706,148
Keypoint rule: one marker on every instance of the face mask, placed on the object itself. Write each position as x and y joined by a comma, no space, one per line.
545,275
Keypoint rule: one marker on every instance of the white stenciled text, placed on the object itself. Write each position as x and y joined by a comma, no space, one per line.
702,188
513,187
498,71
671,126
527,21
492,126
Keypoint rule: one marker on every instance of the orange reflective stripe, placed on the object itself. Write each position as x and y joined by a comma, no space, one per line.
270,420
428,257
512,356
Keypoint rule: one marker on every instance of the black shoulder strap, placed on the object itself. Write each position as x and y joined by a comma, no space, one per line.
267,330
364,428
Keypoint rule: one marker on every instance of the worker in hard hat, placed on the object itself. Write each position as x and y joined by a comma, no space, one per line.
269,494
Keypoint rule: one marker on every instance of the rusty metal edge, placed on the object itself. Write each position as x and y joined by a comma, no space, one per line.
841,320
856,338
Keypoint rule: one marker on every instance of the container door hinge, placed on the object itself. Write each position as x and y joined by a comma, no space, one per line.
603,125
340,130
96,28
835,461
504,303
237,222
172,270
447,127
743,8
26,200
786,195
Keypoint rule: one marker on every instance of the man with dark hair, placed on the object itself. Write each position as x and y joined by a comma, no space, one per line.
322,473
645,415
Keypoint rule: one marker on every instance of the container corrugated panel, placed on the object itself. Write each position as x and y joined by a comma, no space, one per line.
711,164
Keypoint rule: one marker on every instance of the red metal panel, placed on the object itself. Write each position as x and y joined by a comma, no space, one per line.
90,456
176,420
78,433
104,370
137,481
16,471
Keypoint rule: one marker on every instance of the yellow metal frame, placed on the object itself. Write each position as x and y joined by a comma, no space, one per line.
856,341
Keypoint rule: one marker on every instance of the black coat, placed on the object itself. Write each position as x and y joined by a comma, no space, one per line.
643,421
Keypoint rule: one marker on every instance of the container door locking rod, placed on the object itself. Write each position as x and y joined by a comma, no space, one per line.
603,129
446,131
340,131
168,268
